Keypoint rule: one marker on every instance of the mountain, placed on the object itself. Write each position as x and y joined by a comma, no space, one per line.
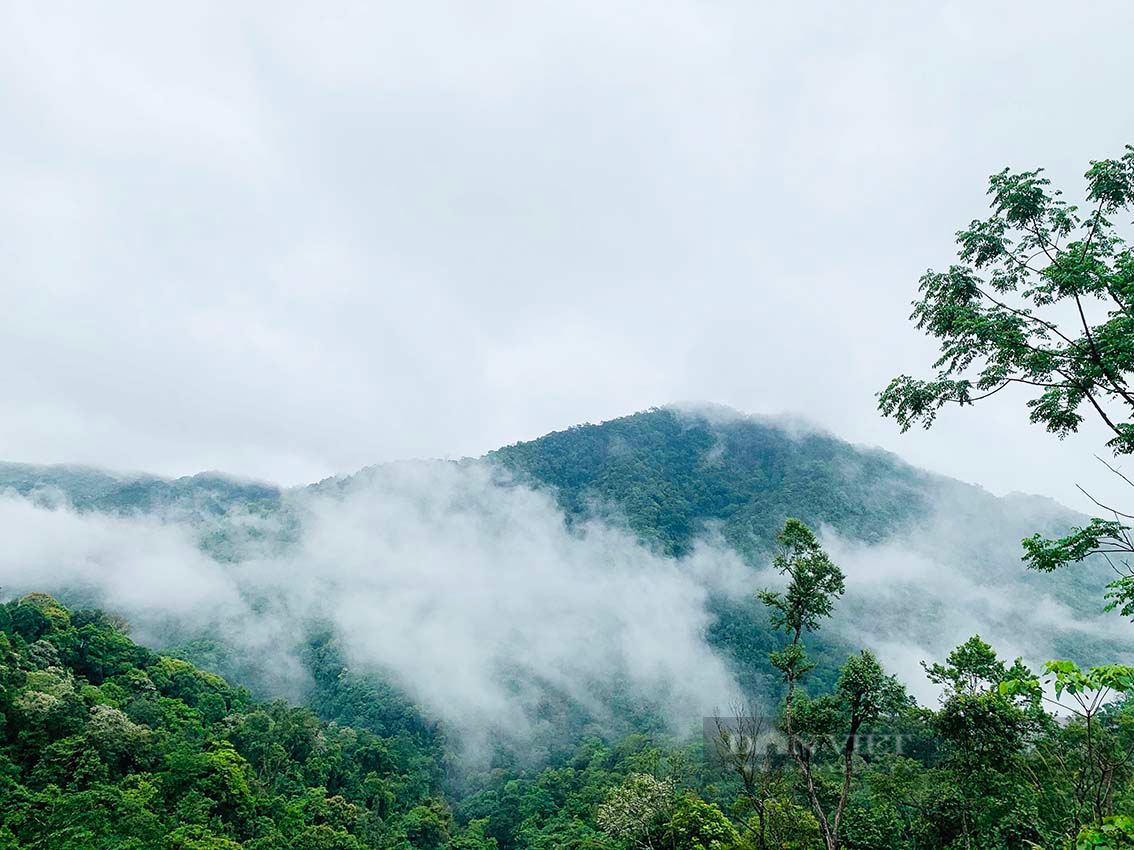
90,489
670,474
927,557
925,554
469,639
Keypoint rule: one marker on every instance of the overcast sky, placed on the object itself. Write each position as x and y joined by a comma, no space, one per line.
290,243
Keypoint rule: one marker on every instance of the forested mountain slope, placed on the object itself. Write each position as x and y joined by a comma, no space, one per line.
88,488
920,549
526,601
105,744
669,473
673,477
672,473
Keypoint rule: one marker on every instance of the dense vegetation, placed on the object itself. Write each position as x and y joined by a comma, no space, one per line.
1042,300
108,745
671,473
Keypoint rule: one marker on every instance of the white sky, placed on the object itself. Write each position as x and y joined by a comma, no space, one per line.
289,243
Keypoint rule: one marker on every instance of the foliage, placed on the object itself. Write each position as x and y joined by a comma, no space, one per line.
863,692
670,475
1114,833
108,745
1100,537
697,825
636,810
814,581
1001,319
1043,299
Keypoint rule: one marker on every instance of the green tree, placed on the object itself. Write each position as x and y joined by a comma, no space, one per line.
786,825
1114,833
427,826
648,813
323,837
636,811
814,583
831,725
863,693
473,837
197,838
1020,309
1042,299
697,825
1103,757
984,733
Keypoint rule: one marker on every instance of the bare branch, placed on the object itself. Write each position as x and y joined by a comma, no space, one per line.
1114,470
1106,508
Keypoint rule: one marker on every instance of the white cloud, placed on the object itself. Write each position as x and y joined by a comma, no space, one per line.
431,573
459,584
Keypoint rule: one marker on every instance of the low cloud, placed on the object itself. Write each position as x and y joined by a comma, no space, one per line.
463,588
472,593
918,595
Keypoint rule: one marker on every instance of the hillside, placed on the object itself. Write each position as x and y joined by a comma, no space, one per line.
105,744
429,615
671,474
948,549
921,551
99,490
670,477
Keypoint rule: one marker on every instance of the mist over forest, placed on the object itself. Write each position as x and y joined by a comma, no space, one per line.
596,584
473,584
588,426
